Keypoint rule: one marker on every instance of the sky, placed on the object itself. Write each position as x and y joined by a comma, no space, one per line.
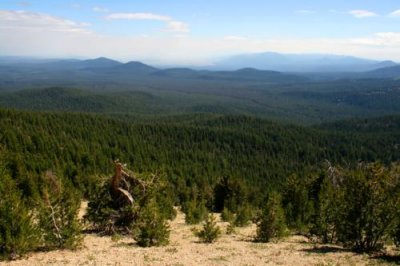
198,32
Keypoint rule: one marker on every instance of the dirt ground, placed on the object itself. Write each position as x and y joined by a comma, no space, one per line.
184,249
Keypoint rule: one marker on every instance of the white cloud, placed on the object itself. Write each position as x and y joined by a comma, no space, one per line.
31,21
100,9
362,13
33,34
172,25
137,16
178,27
395,13
380,39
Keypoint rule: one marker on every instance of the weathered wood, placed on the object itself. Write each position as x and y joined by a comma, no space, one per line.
127,195
122,184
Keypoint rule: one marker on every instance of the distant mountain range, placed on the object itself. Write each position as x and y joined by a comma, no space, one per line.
103,72
317,63
100,70
301,62
108,86
392,72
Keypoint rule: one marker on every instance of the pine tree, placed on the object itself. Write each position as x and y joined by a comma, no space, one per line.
370,207
296,201
18,234
210,231
227,215
195,212
272,221
57,214
325,221
152,228
243,216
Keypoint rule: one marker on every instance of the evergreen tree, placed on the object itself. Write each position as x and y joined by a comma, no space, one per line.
297,201
272,221
243,216
227,215
195,212
57,214
370,207
18,234
210,231
327,215
152,228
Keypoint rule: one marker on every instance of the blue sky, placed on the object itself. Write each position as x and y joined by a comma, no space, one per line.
198,31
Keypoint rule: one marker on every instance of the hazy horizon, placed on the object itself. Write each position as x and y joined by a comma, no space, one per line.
199,32
213,61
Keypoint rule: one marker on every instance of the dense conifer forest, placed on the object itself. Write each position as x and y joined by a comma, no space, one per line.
206,162
198,150
259,147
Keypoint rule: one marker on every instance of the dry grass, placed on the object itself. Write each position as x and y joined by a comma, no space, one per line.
184,249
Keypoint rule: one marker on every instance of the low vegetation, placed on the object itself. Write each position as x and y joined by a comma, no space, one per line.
48,222
151,228
210,231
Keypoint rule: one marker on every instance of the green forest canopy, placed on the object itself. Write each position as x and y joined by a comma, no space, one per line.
189,150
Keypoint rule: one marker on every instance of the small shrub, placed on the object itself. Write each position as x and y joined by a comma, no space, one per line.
195,212
152,229
243,216
210,231
230,229
227,215
272,221
116,237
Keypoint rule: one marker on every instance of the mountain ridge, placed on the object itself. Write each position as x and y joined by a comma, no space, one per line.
300,62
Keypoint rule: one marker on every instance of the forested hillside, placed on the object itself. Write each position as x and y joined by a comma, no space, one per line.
105,86
299,103
188,150
204,163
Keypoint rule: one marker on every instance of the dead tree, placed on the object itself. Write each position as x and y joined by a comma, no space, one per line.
117,204
123,183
